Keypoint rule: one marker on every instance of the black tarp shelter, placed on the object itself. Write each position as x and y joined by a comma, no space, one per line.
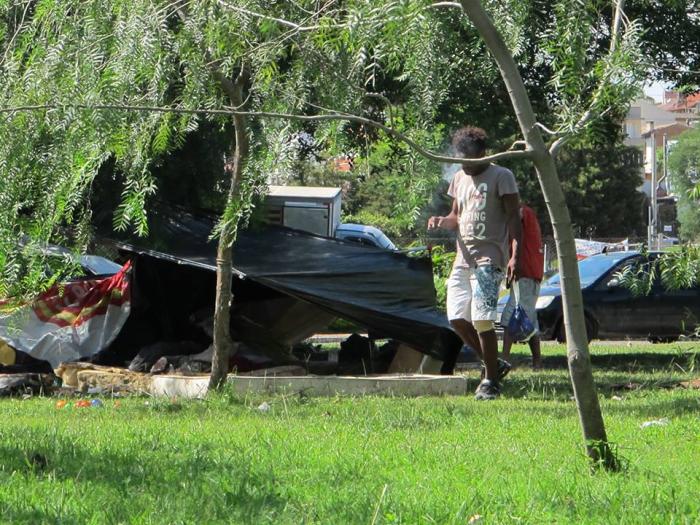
290,284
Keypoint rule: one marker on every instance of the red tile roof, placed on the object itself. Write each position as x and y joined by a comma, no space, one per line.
672,130
682,102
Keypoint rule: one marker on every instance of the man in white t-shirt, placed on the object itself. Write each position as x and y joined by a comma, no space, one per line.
485,211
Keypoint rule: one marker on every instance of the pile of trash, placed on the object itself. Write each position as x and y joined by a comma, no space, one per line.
23,375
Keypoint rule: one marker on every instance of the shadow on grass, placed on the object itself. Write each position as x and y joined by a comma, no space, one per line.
559,389
637,362
610,381
667,407
24,515
183,486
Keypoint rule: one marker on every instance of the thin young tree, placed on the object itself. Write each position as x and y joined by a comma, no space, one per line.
542,156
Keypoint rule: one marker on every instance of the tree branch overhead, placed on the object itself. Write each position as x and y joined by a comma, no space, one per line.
230,111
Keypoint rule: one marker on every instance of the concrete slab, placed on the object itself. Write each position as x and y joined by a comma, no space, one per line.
191,387
387,385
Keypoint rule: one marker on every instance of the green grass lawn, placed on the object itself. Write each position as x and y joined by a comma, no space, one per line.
366,460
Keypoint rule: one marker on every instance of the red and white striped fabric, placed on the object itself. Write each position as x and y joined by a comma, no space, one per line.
70,320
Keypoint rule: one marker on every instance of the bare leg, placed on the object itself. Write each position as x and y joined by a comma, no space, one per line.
534,343
489,346
465,330
507,344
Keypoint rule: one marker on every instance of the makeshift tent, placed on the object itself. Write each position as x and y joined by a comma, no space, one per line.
290,285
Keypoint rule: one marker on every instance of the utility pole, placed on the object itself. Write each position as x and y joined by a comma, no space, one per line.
665,178
651,237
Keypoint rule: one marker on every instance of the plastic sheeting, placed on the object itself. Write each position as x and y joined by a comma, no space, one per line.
389,293
70,320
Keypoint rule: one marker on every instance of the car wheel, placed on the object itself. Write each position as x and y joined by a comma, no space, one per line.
591,330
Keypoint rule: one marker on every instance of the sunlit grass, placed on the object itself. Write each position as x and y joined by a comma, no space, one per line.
365,460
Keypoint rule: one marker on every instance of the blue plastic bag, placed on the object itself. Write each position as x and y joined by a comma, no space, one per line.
519,327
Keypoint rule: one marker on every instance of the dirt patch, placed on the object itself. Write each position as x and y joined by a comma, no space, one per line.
693,384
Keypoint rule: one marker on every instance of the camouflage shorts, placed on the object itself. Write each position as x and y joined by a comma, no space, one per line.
472,293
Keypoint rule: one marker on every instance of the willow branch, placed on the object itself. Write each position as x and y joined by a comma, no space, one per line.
583,121
616,23
546,129
175,6
228,111
300,28
516,144
384,99
20,27
445,4
559,143
679,70
618,16
280,21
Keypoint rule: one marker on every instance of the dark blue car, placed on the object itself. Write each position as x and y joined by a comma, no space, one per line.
612,311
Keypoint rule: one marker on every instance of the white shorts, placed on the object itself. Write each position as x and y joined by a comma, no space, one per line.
472,293
528,291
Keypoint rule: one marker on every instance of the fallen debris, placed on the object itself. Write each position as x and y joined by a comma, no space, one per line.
159,357
626,386
68,372
692,384
655,423
25,384
87,377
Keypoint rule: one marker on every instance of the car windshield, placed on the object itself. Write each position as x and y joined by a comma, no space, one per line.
590,269
99,265
385,242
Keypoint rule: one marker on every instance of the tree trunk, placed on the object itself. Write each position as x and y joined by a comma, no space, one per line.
223,344
577,342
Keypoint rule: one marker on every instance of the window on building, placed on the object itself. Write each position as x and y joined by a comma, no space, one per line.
632,130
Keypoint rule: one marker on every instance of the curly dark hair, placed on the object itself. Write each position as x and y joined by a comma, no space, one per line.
469,141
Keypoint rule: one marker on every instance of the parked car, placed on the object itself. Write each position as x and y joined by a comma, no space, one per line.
95,265
611,310
368,235
668,241
91,265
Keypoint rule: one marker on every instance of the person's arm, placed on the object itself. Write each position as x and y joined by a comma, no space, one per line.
511,206
447,222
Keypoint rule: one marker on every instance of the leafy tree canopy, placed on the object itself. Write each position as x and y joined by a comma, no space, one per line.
67,58
671,40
